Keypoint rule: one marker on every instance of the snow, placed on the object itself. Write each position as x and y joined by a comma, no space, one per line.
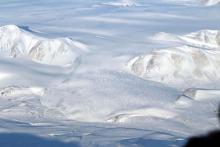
16,91
4,75
195,61
202,94
200,2
122,3
208,39
19,43
109,72
149,112
210,2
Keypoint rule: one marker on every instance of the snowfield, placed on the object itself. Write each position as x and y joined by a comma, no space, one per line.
109,73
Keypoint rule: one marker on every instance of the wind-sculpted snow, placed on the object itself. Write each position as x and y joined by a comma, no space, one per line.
196,61
18,43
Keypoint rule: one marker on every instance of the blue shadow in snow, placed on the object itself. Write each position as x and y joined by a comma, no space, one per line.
27,28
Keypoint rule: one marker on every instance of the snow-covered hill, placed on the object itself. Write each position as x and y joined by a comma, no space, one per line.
196,60
205,39
15,42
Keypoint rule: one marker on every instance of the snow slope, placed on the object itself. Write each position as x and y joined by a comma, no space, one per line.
196,61
16,42
207,39
94,72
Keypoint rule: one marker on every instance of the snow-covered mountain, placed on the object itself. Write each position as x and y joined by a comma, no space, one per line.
195,60
15,42
207,39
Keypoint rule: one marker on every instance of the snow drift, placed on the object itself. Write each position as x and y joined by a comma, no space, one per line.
15,42
197,60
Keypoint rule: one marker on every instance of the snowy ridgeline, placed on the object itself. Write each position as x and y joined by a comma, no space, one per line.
195,60
15,43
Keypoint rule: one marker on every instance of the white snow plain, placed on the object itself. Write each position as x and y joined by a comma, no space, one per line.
109,73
